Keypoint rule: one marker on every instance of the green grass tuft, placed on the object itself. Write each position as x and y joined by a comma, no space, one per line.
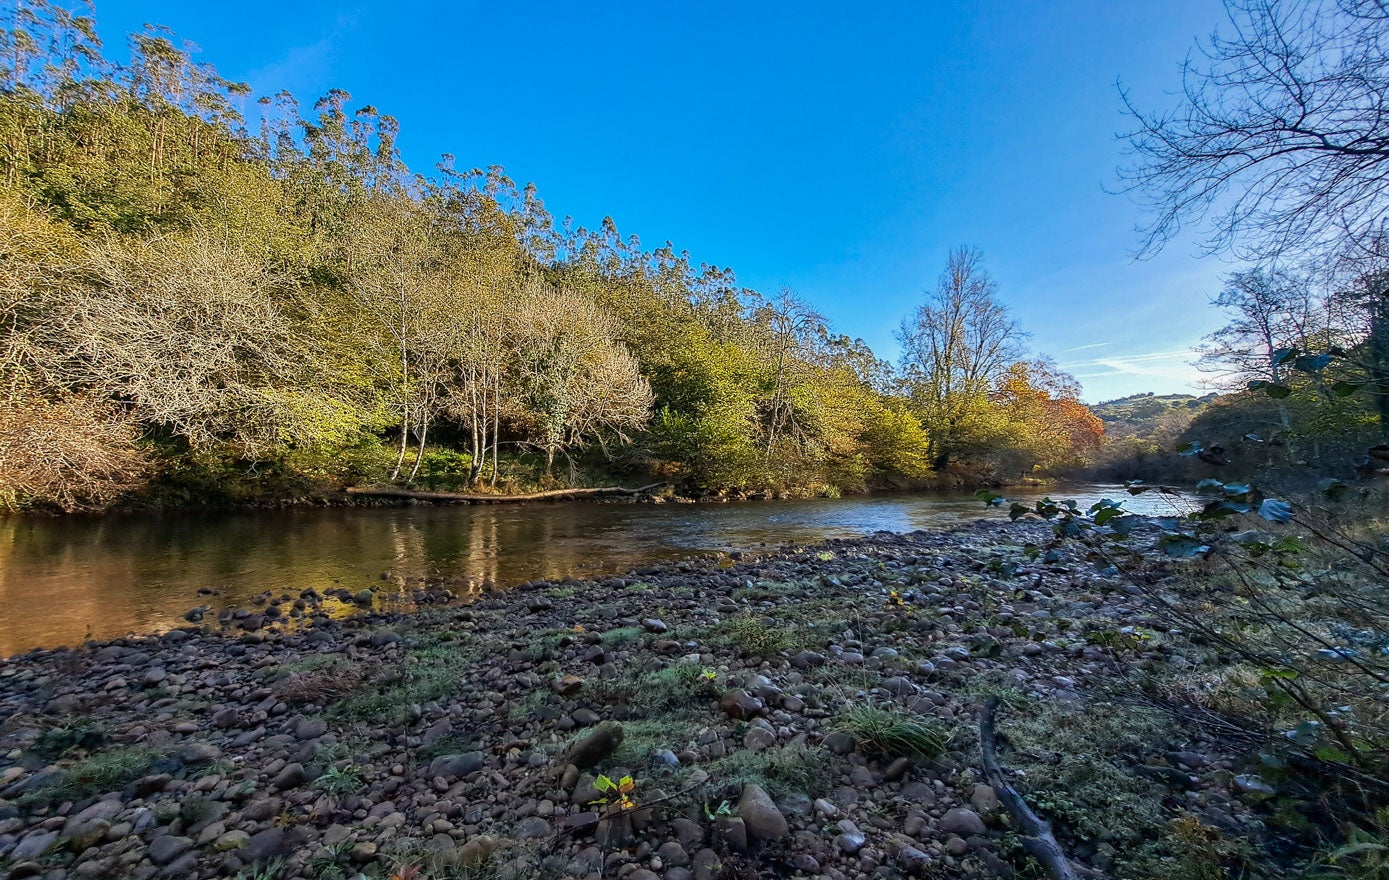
623,635
889,731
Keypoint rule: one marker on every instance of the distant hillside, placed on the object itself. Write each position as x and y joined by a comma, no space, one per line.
1142,413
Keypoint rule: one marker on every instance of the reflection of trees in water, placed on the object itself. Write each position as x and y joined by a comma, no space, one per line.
60,579
141,572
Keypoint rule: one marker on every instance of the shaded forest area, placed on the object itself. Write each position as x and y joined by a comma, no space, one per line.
210,298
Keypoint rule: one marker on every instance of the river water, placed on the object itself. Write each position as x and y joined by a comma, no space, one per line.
66,579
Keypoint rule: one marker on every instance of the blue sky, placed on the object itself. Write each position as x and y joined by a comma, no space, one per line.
841,149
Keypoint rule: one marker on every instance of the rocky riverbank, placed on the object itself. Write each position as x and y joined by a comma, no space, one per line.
808,713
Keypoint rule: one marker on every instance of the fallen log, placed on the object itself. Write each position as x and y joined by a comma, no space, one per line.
1037,838
464,498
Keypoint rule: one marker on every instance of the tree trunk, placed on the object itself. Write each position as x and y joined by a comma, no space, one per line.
419,455
496,426
1379,356
404,438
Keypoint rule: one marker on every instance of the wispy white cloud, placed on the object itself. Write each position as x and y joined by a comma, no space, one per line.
1172,366
304,68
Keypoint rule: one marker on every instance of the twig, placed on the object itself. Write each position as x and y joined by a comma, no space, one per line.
1037,839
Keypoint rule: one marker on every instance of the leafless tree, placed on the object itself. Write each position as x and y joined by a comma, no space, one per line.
1270,311
956,345
790,329
1279,145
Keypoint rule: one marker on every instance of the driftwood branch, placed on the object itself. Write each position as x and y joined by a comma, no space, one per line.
1037,839
464,498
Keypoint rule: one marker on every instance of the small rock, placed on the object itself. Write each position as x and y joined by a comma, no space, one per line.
597,745
673,854
739,704
33,845
757,810
230,841
310,728
913,861
164,850
456,766
962,821
198,753
1251,784
983,798
897,769
533,827
262,845
225,717
292,776
840,743
363,852
899,686
807,659
759,738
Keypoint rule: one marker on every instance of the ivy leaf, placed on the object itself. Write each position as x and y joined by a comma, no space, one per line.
1277,511
990,499
1180,546
1312,363
1123,525
1186,450
1345,389
1018,511
1272,389
1107,514
1334,489
1220,508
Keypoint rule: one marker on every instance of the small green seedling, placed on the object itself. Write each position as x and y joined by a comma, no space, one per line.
620,793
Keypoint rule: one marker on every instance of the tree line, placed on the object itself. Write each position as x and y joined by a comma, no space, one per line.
200,303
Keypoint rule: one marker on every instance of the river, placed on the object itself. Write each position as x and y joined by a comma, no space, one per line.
65,579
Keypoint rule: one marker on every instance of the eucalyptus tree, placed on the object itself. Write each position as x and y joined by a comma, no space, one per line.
393,277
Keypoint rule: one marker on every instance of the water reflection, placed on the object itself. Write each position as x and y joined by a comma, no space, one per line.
64,579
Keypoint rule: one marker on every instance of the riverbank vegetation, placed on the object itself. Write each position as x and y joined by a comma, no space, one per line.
1299,369
213,297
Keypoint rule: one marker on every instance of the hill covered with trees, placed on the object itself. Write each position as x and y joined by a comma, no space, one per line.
201,303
